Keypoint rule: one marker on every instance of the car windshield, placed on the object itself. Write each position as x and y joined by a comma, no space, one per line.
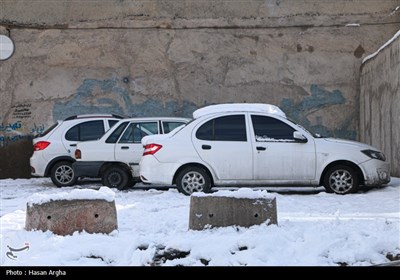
315,135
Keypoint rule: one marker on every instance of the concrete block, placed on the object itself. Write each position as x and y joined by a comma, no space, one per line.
220,211
63,217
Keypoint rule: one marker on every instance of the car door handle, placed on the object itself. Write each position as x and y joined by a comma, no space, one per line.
261,148
124,148
206,147
72,145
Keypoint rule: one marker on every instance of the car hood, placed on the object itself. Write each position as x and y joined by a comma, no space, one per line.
349,143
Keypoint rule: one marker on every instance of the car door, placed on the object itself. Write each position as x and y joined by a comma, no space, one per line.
277,155
223,143
84,131
129,148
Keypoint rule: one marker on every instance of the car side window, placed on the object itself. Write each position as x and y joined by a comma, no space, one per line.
227,128
169,126
111,123
206,131
268,129
136,131
91,130
86,131
73,133
113,138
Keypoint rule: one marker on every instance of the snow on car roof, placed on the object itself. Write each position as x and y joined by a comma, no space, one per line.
235,107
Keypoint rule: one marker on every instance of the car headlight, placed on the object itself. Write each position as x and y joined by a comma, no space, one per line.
374,154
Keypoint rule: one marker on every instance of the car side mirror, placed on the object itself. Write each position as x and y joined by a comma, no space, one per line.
298,137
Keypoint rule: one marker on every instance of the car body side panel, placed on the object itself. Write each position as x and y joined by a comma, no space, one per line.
180,149
228,159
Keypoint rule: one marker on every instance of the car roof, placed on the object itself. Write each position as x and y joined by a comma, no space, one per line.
87,116
157,118
239,107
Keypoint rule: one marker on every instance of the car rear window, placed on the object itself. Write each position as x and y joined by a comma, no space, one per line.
47,131
169,126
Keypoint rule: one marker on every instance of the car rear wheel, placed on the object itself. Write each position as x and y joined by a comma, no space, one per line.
62,174
193,179
116,177
341,179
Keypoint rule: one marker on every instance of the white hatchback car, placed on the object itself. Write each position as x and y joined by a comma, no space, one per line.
255,144
53,151
115,156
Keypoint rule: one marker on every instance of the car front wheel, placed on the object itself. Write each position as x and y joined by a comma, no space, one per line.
193,179
62,174
341,179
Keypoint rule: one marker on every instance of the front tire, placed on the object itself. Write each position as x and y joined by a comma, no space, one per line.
116,177
341,179
193,179
62,174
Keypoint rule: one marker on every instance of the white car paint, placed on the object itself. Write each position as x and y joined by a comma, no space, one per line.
127,153
241,163
59,148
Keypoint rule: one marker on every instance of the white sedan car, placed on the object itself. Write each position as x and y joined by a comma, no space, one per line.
255,144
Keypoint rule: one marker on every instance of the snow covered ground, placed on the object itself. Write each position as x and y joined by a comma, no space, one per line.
314,228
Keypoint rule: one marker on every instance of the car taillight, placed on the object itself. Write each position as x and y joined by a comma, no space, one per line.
41,145
78,154
151,149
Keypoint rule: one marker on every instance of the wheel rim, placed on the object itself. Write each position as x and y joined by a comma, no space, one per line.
193,182
64,174
114,179
341,181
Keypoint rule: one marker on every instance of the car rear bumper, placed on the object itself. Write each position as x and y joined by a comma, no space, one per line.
376,172
38,164
87,168
154,172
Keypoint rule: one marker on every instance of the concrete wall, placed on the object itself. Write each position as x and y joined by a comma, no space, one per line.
171,57
380,103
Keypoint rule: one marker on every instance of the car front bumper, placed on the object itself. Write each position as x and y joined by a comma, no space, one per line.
376,172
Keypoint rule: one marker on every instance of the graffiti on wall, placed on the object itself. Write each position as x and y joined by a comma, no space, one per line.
15,131
118,101
319,99
22,111
106,96
10,127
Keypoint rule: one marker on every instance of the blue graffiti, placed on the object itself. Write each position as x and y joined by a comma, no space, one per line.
82,102
10,126
320,98
6,139
118,101
37,129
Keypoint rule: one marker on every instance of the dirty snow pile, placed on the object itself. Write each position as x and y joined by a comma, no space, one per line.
314,228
